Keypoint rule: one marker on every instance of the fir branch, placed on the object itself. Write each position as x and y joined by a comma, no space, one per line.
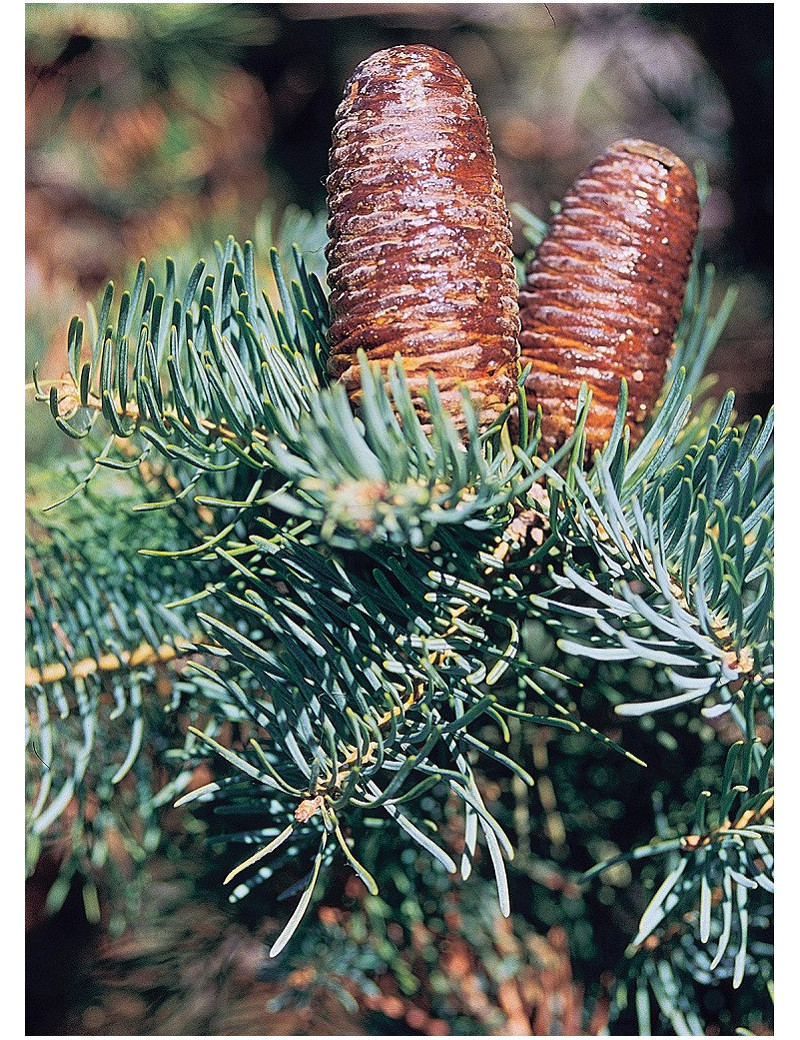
366,583
673,582
99,645
233,380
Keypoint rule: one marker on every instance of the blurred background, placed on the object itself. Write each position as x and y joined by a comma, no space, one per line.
153,129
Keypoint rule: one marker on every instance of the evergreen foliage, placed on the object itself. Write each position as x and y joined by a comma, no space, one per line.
356,627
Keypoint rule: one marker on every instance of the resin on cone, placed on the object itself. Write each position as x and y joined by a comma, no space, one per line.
419,253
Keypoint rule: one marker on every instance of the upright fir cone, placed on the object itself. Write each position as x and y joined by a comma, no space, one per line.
604,293
419,257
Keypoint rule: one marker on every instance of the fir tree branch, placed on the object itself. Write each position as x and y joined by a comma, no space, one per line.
366,583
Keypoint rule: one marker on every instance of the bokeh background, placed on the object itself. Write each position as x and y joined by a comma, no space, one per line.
153,129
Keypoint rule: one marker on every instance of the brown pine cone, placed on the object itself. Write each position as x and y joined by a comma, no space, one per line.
604,293
419,257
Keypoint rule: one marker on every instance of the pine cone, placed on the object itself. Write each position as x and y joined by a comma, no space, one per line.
604,293
419,255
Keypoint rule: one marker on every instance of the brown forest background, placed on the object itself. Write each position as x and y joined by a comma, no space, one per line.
153,129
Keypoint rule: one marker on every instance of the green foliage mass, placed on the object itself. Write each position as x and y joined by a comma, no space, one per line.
356,628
